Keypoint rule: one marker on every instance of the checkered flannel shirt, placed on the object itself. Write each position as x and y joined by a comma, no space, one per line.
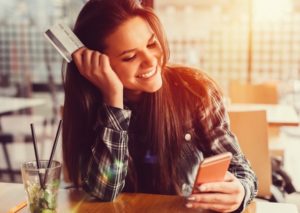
107,169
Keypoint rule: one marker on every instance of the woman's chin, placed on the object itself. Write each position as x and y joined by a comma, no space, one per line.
154,87
134,94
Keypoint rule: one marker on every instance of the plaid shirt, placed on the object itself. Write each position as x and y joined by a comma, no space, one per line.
106,171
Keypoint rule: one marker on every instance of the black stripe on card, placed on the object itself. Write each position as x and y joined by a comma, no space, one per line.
58,44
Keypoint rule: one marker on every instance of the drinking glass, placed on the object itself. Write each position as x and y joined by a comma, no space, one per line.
41,192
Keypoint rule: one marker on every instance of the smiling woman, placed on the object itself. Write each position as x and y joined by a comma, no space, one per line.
134,123
137,57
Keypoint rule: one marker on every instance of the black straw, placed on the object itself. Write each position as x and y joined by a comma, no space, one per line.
52,151
36,154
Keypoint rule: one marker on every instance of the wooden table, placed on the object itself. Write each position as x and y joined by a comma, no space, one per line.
78,201
277,114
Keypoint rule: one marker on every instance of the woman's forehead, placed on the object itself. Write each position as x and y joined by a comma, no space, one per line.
133,33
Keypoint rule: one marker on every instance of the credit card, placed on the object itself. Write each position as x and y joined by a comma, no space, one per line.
64,40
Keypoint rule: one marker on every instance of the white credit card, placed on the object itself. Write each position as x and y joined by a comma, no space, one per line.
64,40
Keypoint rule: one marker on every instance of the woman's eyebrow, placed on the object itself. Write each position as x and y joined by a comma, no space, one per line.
127,51
131,50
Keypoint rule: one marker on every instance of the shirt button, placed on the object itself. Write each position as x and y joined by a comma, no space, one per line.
187,137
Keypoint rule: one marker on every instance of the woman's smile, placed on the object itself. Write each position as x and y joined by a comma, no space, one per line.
148,74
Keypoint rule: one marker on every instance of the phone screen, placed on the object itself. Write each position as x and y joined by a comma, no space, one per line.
212,169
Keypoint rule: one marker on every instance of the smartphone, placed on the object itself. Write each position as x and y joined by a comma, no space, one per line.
64,40
212,169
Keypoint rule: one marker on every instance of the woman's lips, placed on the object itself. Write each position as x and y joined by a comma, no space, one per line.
148,74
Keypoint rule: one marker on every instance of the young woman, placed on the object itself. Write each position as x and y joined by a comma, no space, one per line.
134,123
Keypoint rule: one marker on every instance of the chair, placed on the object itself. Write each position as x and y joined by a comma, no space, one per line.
263,93
15,128
4,140
250,127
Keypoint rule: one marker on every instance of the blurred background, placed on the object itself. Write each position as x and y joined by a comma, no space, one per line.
250,42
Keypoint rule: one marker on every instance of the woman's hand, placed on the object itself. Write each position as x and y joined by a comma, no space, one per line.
95,67
225,196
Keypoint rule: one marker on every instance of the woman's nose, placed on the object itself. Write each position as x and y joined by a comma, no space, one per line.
149,60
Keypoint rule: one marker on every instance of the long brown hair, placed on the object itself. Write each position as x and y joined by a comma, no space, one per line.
165,112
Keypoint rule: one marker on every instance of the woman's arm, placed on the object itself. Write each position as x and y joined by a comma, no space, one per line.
240,184
107,167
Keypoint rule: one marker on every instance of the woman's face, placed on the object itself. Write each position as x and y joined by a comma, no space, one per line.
135,55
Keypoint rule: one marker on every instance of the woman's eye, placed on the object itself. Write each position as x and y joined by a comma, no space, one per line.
129,58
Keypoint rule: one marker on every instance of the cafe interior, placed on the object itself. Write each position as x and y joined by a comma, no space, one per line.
251,48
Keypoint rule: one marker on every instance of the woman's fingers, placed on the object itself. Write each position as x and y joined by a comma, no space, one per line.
92,64
87,60
215,201
224,187
77,57
229,185
223,196
211,198
105,63
229,177
95,59
96,68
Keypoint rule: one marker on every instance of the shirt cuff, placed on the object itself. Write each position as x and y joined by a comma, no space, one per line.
246,200
114,118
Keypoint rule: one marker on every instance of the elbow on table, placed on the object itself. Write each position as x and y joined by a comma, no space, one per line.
105,195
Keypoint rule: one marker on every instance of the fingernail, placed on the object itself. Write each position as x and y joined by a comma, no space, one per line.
202,188
191,198
189,205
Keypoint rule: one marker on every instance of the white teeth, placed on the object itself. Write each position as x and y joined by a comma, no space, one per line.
147,75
